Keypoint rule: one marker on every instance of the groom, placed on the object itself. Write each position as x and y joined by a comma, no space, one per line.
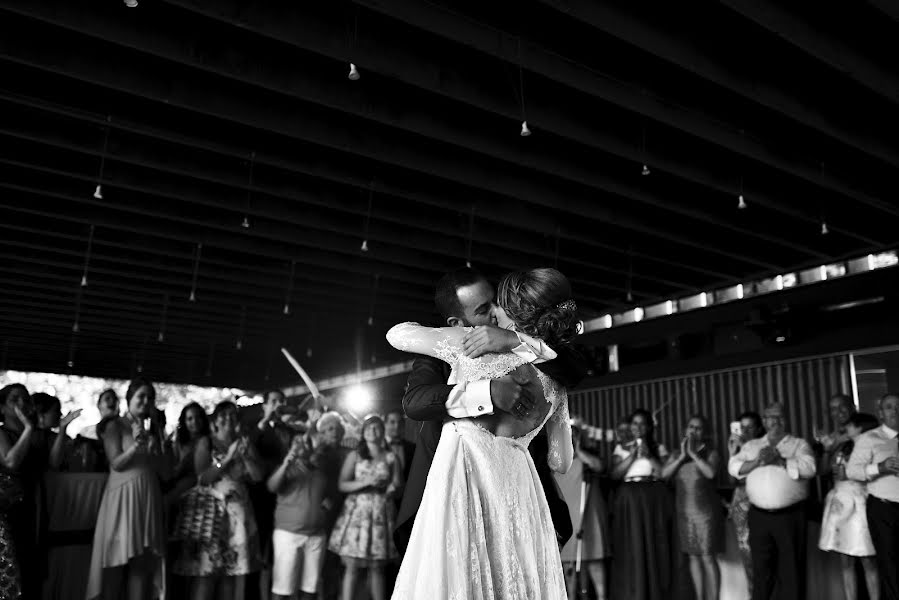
465,298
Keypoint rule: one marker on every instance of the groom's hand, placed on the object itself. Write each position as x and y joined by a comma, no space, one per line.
487,338
510,394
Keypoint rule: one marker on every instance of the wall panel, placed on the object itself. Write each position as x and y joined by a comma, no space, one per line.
803,386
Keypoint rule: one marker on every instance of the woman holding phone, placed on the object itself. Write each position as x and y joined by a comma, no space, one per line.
129,541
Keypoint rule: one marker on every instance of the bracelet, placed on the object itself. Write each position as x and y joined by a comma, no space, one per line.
218,464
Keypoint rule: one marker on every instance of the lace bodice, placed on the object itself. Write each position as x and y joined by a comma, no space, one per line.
445,343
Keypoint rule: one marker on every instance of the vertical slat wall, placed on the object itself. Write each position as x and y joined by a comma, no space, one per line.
803,386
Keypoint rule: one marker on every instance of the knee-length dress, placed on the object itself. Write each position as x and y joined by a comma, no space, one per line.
699,511
595,544
129,525
363,534
238,551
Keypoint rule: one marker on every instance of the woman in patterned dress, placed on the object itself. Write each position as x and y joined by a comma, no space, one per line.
700,515
225,462
15,446
362,536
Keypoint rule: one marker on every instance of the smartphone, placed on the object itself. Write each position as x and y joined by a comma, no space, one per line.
736,428
147,423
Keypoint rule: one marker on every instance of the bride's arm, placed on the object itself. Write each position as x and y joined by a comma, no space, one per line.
444,343
558,433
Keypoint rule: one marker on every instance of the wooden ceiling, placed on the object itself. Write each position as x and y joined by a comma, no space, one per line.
195,116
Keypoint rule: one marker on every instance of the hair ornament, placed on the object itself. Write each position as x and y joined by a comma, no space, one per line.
567,305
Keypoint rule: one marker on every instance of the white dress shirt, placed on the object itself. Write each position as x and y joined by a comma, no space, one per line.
472,399
871,449
772,487
641,467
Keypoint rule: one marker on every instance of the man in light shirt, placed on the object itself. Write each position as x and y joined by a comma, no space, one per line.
875,460
777,468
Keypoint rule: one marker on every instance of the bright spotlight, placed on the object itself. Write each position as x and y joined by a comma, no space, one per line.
358,399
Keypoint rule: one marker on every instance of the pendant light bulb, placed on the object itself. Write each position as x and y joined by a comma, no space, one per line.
84,281
286,309
468,264
364,246
239,345
70,364
371,321
354,73
630,297
193,296
741,202
525,132
824,230
98,192
645,170
246,223
131,3
75,328
161,337
308,352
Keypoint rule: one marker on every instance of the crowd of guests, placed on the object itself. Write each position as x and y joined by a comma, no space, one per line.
285,507
663,516
289,507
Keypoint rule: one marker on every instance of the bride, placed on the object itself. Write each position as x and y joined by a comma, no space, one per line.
483,530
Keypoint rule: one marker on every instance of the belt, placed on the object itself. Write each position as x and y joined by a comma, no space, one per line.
641,479
775,511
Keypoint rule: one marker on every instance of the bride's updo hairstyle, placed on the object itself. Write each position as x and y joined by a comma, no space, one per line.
539,302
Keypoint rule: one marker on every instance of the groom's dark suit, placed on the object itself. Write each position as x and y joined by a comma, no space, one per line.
425,400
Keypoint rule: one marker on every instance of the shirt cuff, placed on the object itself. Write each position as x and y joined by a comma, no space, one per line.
533,350
793,469
470,399
872,471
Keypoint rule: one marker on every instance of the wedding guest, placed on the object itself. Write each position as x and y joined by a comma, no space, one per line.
642,517
306,485
225,462
129,539
362,536
271,439
18,465
777,468
750,428
585,468
841,408
52,446
844,527
700,517
193,425
875,460
108,407
394,436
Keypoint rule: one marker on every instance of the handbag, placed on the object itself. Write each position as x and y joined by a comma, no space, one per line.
202,517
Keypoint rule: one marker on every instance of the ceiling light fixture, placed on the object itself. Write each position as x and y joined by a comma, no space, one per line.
98,191
525,130
131,3
193,286
741,201
353,75
824,229
371,195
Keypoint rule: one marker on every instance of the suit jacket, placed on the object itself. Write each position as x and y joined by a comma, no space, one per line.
425,400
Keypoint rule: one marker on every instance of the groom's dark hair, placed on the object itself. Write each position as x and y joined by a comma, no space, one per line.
446,297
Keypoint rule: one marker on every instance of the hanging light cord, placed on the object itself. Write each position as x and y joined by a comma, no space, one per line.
293,266
371,195
470,238
521,83
105,147
193,285
87,256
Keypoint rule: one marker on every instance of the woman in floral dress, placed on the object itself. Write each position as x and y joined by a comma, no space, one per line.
362,536
224,462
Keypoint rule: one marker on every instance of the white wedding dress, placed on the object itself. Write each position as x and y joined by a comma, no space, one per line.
483,530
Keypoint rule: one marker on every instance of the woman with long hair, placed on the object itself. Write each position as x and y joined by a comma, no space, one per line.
226,462
484,529
749,428
362,536
844,527
642,516
129,540
700,516
17,515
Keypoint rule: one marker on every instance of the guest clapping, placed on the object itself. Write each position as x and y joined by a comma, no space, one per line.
777,468
700,517
51,445
225,462
362,535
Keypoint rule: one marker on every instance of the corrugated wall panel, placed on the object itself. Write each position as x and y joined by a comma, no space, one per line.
803,386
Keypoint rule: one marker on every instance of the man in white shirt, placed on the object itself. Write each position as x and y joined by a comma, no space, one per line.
875,460
777,468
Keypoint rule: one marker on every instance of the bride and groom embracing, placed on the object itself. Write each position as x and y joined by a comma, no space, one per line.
481,517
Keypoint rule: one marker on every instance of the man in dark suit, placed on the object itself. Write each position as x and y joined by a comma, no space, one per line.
465,298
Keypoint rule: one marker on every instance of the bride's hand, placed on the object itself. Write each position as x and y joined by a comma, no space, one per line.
487,338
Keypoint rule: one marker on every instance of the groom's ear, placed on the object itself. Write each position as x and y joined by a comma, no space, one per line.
455,322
